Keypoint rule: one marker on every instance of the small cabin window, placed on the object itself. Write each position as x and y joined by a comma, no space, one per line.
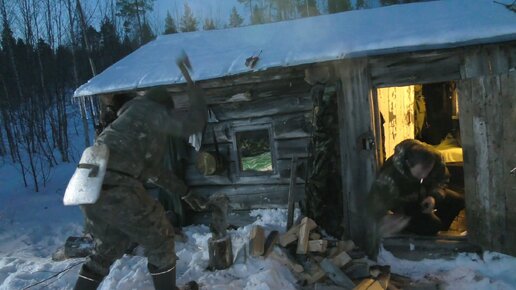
254,151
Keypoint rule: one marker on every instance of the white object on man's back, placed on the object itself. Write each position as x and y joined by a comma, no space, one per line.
86,183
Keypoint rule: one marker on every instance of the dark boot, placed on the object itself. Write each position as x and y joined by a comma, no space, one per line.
87,280
163,279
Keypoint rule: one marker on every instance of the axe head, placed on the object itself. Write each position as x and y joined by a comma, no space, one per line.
183,60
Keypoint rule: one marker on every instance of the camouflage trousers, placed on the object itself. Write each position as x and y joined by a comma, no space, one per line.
126,214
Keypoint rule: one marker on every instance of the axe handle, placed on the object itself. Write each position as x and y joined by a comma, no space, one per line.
186,74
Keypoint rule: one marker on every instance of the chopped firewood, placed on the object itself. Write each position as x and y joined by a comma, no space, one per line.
376,270
356,254
317,246
315,236
384,279
306,226
341,259
256,242
346,245
272,239
290,236
336,275
280,257
315,274
369,284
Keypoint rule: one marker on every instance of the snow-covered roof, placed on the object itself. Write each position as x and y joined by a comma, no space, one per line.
220,53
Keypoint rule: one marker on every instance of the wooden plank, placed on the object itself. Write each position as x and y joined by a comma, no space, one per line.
508,99
287,148
307,224
256,241
264,107
246,197
482,119
358,166
195,178
291,188
417,249
415,68
287,125
439,65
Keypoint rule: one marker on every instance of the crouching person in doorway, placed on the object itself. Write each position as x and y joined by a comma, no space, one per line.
124,213
411,193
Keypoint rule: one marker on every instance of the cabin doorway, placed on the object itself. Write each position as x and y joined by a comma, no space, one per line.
429,113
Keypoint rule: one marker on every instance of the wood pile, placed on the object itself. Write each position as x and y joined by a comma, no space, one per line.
321,263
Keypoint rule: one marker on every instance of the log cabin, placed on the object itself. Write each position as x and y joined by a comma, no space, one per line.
330,96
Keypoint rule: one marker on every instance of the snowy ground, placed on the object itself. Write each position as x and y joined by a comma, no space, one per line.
33,225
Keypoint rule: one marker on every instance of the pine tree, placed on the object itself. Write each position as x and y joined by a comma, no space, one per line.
147,33
335,6
234,19
258,16
308,8
170,24
209,24
133,12
361,4
111,49
188,20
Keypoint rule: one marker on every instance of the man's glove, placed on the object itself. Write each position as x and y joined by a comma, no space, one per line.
195,201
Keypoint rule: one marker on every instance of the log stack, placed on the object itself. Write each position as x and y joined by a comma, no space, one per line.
322,262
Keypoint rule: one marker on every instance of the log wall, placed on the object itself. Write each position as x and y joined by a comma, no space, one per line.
287,111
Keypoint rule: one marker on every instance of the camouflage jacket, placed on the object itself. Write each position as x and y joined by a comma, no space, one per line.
137,142
395,187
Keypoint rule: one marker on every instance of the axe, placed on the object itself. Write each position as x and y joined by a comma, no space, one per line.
183,62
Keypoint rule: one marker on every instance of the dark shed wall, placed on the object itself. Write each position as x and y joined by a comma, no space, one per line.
487,98
288,114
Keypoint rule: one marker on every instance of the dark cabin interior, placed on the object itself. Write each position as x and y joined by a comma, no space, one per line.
432,117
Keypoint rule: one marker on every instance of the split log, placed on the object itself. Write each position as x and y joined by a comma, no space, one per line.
257,241
220,253
341,259
314,275
317,246
382,274
368,284
315,236
384,279
280,257
307,225
272,239
336,275
290,236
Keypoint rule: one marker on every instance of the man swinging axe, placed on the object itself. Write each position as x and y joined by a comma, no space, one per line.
110,191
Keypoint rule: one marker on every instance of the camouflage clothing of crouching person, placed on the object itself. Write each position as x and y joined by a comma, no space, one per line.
124,212
411,190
